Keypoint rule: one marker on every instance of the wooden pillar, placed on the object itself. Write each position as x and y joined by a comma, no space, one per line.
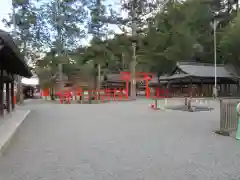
190,88
220,89
237,84
1,93
229,89
12,94
129,88
169,89
201,88
219,85
181,90
225,89
7,97
209,90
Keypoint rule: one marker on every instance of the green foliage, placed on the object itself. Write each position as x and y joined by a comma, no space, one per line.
64,18
230,42
180,31
169,39
24,18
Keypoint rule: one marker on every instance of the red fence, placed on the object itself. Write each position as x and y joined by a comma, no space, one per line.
107,94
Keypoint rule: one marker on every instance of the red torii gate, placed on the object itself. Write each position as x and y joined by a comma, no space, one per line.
146,76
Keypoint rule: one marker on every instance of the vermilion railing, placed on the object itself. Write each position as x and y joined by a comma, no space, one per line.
116,93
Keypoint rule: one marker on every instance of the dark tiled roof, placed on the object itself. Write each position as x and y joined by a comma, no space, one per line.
154,80
10,42
21,66
175,76
205,70
114,77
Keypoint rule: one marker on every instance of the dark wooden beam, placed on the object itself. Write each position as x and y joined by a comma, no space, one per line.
201,88
12,94
1,93
7,96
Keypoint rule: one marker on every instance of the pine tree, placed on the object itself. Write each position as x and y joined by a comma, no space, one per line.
137,11
96,29
22,19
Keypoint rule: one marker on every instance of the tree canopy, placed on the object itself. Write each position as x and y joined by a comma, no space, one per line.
176,31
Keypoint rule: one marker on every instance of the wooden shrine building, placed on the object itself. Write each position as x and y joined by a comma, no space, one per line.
116,81
200,78
11,64
113,80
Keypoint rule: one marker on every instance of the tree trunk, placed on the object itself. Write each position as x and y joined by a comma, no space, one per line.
52,94
133,79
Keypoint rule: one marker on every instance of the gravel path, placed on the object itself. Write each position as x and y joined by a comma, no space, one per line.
124,141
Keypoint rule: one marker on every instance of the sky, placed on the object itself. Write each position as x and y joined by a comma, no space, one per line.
5,8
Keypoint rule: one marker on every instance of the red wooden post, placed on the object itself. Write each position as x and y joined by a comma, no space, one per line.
119,94
89,94
107,94
69,94
147,87
59,94
114,94
157,93
127,88
102,96
79,92
146,77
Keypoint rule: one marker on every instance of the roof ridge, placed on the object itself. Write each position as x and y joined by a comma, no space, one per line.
199,64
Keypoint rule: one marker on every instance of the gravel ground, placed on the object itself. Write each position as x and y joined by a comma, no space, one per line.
119,141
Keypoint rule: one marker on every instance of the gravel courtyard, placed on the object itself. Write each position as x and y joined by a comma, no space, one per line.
119,141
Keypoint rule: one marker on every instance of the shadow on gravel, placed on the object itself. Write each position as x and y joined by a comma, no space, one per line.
184,108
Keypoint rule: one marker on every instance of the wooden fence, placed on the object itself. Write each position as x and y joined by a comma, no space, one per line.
228,116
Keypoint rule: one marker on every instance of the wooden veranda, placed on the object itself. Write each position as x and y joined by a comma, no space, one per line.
11,64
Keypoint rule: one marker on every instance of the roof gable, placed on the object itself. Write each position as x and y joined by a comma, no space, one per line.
205,70
177,70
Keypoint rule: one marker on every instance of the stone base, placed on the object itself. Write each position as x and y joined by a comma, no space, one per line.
9,126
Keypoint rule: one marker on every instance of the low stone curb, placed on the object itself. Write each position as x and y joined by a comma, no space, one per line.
10,126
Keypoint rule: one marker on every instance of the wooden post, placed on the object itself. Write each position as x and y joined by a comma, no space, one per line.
210,90
186,101
7,97
189,106
191,87
127,89
229,89
181,90
1,93
237,86
220,90
12,94
201,88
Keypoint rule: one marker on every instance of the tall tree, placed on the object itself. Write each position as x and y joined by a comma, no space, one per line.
136,11
230,42
66,20
168,40
23,20
97,30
